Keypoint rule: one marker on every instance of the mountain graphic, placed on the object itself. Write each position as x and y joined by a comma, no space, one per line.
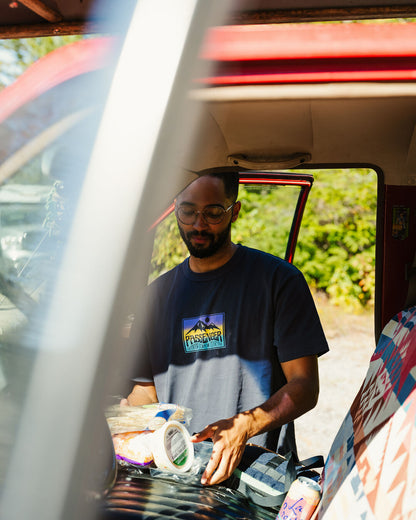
200,326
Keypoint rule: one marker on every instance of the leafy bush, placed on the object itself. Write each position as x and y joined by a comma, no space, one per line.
336,248
169,249
266,217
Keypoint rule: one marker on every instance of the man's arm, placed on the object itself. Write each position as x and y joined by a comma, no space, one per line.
142,393
296,397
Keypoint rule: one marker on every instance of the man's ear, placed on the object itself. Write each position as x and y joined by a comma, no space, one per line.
236,210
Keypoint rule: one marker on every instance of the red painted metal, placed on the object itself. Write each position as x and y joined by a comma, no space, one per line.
311,77
282,182
162,217
397,251
305,53
309,41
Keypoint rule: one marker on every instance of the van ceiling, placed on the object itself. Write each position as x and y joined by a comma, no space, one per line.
327,124
29,18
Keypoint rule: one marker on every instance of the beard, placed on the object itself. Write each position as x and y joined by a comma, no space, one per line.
205,251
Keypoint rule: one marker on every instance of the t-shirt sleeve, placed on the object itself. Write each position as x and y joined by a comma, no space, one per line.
297,331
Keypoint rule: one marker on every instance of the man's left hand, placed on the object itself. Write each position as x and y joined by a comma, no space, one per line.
229,437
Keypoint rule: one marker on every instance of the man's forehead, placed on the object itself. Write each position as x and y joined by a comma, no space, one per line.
205,190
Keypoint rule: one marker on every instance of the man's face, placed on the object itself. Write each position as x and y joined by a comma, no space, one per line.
203,239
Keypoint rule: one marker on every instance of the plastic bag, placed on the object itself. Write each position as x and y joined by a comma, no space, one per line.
123,419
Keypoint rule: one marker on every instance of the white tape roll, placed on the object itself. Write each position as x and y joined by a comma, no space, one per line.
172,448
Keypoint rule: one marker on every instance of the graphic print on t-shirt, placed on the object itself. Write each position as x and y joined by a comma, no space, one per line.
203,332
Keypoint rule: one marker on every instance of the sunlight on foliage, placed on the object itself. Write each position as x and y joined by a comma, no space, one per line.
336,247
169,249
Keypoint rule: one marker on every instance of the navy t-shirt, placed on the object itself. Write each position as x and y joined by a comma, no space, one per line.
214,341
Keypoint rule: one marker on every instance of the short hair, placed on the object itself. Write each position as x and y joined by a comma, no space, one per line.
231,181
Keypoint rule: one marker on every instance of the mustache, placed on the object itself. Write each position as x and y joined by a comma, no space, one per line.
198,234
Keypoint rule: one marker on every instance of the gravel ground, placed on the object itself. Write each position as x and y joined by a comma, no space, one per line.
342,370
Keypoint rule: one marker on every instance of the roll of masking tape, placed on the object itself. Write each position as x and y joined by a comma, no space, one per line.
172,448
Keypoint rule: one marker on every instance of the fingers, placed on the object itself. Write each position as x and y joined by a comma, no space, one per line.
220,466
216,471
211,467
203,435
124,402
229,437
219,461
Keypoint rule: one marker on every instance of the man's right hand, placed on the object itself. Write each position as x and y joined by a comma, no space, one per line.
229,437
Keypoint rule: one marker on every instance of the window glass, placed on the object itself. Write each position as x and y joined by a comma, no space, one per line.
265,220
44,149
266,217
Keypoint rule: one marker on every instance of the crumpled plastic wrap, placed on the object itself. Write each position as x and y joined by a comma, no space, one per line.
203,451
124,419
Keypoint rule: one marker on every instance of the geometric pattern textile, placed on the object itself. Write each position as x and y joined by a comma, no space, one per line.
370,471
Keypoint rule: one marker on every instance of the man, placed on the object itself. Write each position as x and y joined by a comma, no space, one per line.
234,334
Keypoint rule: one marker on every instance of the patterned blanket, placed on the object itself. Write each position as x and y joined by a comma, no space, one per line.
370,472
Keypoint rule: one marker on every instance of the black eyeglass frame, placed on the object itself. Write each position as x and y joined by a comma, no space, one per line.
208,220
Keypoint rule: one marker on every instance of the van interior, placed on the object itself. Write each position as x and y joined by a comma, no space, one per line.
276,91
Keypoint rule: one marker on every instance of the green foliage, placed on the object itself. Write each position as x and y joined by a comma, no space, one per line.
266,217
336,248
169,249
336,245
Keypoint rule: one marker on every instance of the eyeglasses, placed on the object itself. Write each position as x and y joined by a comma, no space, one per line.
212,214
